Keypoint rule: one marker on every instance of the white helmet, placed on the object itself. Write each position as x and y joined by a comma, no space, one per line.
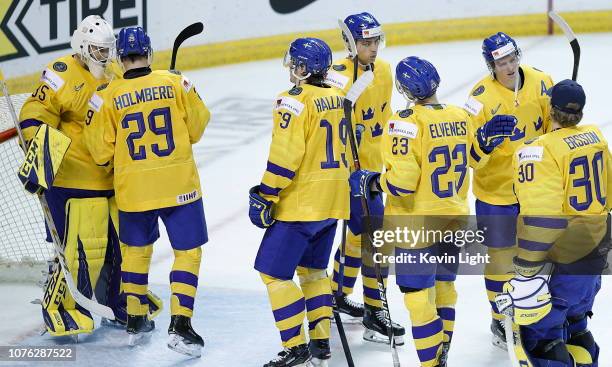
94,42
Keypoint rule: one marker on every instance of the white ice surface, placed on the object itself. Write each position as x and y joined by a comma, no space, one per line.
232,311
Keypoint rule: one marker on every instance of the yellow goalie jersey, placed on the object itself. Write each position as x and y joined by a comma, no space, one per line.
60,100
307,170
143,127
425,150
493,179
372,110
562,180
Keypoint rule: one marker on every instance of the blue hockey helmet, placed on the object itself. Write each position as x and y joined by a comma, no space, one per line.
498,46
416,78
568,96
361,26
311,53
133,41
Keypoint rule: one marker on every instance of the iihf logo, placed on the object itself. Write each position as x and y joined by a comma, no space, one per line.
131,40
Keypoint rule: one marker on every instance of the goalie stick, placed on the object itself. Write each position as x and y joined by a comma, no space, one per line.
358,87
189,31
571,37
88,304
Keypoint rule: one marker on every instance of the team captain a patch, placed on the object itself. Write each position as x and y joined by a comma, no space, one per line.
291,104
403,128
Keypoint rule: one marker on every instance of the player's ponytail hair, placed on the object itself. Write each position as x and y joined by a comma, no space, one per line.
565,119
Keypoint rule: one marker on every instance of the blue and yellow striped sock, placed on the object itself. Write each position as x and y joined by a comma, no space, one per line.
288,307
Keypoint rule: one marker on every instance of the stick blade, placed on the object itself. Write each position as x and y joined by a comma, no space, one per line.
188,32
359,86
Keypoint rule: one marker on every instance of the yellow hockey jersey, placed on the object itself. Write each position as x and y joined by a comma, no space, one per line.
492,183
307,170
561,181
372,109
426,156
143,127
60,100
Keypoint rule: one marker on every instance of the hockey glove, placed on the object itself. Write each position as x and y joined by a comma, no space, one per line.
526,297
492,133
259,209
361,183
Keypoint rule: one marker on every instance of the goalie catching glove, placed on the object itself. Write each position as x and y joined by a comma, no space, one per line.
526,297
43,159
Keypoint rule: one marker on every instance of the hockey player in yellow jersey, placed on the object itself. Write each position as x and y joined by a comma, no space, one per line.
142,127
425,150
561,181
80,200
492,183
364,37
302,194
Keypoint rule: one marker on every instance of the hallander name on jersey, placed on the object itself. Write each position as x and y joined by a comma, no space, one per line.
580,140
328,103
144,95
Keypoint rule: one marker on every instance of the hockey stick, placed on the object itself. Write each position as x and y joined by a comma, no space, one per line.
340,293
569,33
510,344
358,87
189,31
88,304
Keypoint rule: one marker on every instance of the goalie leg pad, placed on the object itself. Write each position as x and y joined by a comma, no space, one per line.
317,294
58,320
85,240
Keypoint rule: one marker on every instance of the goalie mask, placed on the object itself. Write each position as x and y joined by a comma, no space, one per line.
94,42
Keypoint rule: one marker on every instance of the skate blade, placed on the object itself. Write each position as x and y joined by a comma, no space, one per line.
176,344
137,339
112,324
499,342
348,319
375,337
316,362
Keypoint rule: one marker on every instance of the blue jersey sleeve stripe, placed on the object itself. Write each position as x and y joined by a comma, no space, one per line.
280,171
396,190
267,190
30,123
534,245
551,223
474,155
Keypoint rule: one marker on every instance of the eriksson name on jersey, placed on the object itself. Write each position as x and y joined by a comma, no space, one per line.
580,140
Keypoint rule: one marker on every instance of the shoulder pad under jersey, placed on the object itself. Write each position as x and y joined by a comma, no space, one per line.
406,113
295,91
478,91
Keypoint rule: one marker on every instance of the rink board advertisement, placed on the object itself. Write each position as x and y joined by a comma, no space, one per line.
34,32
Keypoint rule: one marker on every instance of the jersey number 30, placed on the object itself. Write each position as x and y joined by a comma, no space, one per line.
139,153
